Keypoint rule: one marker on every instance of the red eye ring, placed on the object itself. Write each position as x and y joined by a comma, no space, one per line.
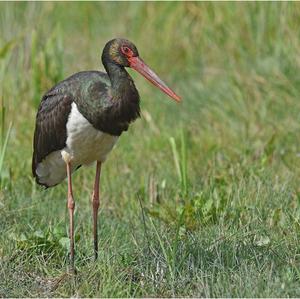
126,51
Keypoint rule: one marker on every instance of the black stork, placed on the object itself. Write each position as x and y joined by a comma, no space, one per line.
80,119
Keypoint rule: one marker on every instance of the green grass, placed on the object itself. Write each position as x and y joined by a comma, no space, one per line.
197,199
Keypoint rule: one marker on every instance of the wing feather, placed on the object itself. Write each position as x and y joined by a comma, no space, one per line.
50,131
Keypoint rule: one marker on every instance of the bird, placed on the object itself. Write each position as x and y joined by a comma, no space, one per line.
80,119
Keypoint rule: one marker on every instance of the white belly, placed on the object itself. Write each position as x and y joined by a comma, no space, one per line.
84,145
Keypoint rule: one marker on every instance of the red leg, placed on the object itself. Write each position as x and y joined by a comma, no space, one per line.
95,203
71,207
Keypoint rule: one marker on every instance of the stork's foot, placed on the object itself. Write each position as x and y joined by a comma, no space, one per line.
95,249
72,271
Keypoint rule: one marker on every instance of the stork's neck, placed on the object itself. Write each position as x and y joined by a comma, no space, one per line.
123,87
125,102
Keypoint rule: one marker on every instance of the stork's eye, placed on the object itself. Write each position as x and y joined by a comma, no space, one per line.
126,51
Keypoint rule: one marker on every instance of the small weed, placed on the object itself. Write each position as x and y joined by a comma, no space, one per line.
51,242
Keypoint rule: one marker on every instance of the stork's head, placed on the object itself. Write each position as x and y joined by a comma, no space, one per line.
124,53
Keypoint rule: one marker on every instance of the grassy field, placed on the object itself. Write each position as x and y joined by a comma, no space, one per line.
197,199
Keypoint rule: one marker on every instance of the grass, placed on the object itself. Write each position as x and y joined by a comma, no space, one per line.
197,199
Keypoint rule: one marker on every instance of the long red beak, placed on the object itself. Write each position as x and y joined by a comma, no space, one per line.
140,66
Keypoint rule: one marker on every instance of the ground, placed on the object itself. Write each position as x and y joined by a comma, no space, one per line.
198,199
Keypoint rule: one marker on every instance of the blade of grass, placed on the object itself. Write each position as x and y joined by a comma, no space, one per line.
175,156
183,165
4,148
